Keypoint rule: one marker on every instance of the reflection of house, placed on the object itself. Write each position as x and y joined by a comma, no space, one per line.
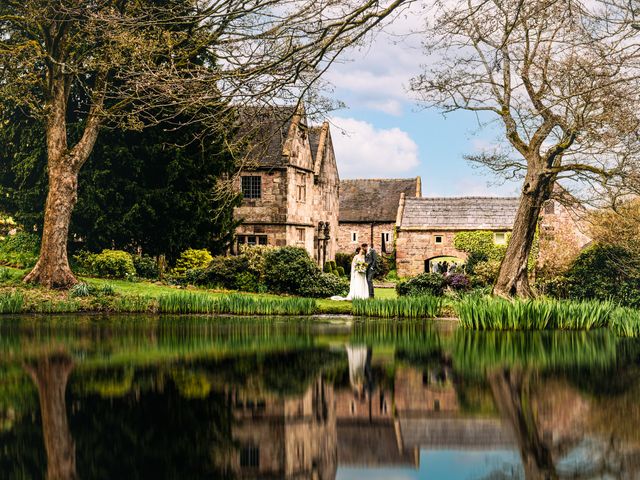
368,210
419,392
290,187
291,437
426,227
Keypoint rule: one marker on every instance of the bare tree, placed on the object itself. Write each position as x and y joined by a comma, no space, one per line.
560,76
140,62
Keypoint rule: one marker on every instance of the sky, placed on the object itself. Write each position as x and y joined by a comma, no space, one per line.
384,133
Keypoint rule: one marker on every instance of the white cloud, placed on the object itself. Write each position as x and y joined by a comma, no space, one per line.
377,75
363,151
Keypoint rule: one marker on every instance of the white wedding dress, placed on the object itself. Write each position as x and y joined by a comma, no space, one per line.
359,288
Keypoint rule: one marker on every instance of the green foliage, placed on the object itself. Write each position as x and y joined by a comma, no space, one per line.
480,242
601,272
286,268
186,302
344,260
138,188
20,250
231,272
11,302
81,289
626,322
486,272
146,267
192,258
423,284
341,272
487,313
323,285
112,264
425,306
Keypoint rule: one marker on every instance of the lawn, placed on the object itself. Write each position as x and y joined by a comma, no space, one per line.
156,289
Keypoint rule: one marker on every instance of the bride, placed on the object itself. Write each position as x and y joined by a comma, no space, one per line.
359,287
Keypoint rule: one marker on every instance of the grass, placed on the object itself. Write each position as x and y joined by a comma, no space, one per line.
626,322
405,307
188,302
11,302
487,313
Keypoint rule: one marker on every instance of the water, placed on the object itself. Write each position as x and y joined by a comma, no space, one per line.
190,398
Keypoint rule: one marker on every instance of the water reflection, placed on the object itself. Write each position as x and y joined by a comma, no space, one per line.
179,398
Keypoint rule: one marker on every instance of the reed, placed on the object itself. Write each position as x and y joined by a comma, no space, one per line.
404,307
134,304
487,313
626,322
11,302
186,302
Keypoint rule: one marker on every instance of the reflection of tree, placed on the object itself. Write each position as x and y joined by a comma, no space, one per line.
512,393
50,374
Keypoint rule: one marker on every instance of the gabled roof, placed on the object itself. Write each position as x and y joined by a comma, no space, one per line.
266,130
375,200
462,213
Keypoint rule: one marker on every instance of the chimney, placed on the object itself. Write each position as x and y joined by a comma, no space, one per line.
400,210
418,187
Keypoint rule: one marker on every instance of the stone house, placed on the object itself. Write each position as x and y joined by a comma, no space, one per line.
368,209
290,186
426,228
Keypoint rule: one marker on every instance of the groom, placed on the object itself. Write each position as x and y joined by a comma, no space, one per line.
371,259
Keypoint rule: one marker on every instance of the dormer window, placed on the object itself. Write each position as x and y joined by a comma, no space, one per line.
500,238
251,187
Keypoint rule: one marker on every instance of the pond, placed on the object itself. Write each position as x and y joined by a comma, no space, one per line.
188,398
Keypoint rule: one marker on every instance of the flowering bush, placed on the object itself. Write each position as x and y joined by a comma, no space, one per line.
192,258
458,282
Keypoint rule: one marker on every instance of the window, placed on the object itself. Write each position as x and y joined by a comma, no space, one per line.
438,238
354,237
252,187
386,236
252,240
300,234
301,186
249,457
499,238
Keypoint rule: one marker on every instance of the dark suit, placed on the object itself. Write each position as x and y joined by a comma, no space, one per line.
371,259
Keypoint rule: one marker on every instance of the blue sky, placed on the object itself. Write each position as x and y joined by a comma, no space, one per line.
385,133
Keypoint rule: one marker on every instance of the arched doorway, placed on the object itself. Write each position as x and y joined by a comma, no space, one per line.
442,263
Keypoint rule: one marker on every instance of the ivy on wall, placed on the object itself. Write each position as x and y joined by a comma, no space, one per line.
480,245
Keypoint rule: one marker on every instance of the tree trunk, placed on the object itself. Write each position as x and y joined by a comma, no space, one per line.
511,393
63,165
52,269
50,374
513,278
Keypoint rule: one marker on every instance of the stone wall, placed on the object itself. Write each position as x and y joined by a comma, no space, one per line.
294,199
326,198
414,247
560,226
418,391
363,230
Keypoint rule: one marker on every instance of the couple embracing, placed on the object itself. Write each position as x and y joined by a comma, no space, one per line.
363,268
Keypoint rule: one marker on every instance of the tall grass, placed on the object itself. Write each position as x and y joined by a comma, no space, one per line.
486,313
626,322
404,307
11,302
186,302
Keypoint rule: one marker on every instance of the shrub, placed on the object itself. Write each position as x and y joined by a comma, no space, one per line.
146,267
383,267
344,260
113,264
458,282
423,284
286,268
486,272
255,255
323,285
19,250
192,258
603,272
341,272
